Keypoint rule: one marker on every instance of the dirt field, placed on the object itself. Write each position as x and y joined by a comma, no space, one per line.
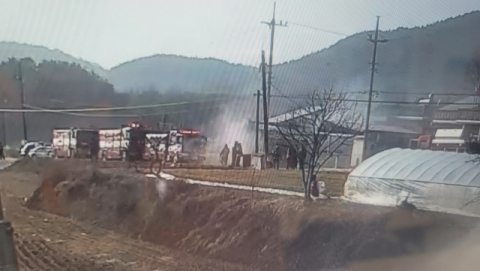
50,242
105,216
270,178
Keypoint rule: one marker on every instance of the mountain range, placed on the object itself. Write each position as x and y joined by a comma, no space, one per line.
439,58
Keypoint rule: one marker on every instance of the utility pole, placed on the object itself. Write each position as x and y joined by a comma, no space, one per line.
370,91
4,128
265,106
22,99
272,25
257,123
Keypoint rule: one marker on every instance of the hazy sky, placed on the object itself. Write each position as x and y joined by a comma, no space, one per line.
110,32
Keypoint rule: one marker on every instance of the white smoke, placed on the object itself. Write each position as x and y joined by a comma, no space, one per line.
233,125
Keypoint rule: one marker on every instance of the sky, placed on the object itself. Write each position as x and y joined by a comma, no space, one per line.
110,32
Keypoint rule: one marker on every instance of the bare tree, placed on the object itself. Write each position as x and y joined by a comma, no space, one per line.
321,128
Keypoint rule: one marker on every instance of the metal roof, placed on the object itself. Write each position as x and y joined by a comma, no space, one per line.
469,102
391,129
423,166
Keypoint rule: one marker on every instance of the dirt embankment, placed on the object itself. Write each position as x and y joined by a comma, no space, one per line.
260,231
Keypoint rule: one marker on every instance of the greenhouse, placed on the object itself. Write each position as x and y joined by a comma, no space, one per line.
431,180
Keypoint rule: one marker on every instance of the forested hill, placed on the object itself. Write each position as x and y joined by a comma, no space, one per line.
40,53
169,73
436,58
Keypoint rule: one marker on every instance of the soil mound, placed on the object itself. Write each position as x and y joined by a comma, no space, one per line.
260,231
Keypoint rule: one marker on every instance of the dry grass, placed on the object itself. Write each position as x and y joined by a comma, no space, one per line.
270,178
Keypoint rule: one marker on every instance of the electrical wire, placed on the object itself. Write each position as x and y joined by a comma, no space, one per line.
8,110
46,110
320,29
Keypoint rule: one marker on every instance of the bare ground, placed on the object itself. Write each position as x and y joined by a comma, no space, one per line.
50,242
270,178
204,228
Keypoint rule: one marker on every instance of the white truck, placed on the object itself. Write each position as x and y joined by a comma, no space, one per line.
73,142
114,143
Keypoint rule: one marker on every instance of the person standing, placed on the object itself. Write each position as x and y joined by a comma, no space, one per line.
292,158
314,190
239,154
276,158
302,155
2,155
224,155
94,149
234,153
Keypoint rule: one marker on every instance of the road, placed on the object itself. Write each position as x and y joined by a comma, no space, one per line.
6,162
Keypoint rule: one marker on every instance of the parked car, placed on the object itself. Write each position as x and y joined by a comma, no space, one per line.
45,151
28,146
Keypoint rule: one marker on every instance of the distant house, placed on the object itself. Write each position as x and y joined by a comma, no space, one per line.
340,158
381,137
457,124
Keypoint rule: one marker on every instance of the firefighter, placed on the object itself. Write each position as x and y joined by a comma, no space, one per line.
292,158
94,149
302,155
234,153
224,155
315,192
276,158
2,155
239,154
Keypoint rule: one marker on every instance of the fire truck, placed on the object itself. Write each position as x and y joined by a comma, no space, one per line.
114,143
186,146
73,142
131,142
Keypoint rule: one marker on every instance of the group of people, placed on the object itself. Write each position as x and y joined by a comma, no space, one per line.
237,153
293,158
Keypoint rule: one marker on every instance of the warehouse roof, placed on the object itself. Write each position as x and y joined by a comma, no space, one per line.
422,165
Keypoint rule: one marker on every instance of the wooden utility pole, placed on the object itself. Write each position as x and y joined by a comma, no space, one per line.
4,128
272,25
257,123
370,91
265,105
22,99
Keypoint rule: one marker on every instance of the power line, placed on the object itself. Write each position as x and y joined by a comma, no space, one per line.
416,93
100,109
321,29
46,110
377,102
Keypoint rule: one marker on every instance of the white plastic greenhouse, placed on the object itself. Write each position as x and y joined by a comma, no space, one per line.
432,180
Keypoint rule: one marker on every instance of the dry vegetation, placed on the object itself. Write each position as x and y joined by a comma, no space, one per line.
101,214
278,179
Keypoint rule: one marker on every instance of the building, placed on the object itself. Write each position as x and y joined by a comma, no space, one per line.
381,137
340,157
430,180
